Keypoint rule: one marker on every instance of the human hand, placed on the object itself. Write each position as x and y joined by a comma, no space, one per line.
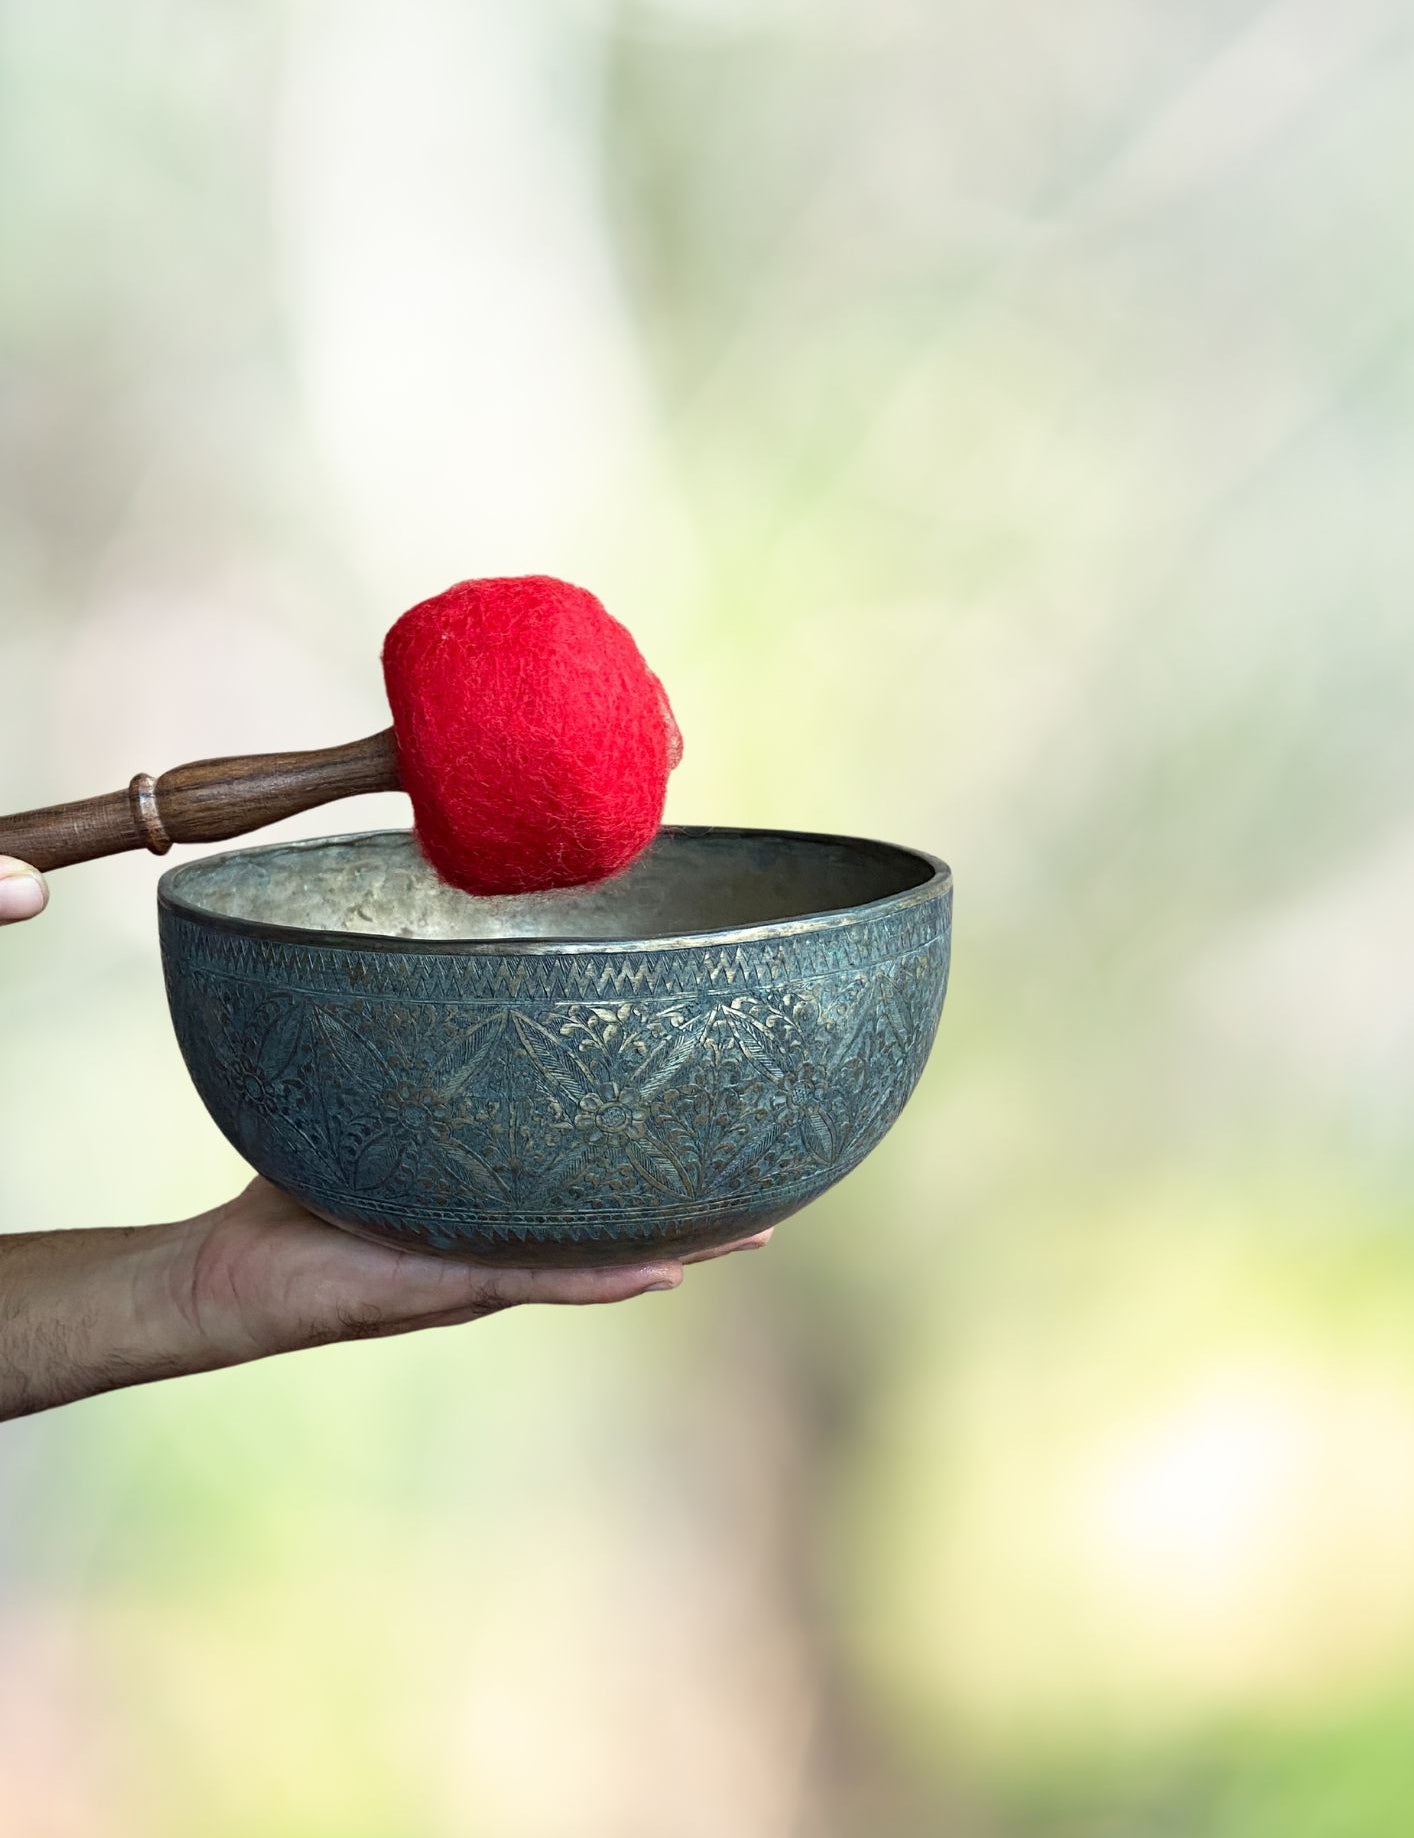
83,1312
23,892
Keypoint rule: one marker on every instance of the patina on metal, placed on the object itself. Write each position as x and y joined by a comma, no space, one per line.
660,1063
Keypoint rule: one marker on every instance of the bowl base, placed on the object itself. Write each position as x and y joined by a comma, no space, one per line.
568,1254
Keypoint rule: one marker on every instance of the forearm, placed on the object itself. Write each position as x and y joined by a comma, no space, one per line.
83,1312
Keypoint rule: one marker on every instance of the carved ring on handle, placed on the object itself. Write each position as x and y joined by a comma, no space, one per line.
142,795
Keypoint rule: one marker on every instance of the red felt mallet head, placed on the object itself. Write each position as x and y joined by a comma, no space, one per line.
534,741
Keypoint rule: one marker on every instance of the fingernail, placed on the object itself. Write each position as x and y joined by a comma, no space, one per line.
653,1288
21,897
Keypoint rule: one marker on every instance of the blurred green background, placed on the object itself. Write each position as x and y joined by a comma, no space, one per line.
996,422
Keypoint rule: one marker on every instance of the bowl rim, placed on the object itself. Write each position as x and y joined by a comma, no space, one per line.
936,884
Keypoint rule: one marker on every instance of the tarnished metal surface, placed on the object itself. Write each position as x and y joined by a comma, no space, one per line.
667,1060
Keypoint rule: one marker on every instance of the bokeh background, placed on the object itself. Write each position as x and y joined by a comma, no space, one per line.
996,421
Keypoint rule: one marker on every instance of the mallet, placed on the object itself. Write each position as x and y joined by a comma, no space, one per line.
533,740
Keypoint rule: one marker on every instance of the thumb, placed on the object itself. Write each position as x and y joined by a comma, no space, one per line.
23,892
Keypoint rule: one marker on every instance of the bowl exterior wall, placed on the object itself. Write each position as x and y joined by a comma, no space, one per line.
574,1105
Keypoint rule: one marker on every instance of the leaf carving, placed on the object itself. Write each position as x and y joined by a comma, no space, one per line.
377,1162
283,1023
362,1062
657,1167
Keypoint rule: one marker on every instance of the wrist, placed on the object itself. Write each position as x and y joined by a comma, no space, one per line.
83,1312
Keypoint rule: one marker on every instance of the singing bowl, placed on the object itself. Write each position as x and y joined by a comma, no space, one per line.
666,1061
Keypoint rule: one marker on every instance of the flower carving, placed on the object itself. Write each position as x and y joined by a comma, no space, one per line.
609,1115
413,1108
254,1087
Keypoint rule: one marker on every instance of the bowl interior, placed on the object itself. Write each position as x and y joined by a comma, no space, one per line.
688,881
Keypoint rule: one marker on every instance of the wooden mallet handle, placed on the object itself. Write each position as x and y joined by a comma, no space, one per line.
208,801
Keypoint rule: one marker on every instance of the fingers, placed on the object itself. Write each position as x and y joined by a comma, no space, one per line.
459,1293
23,892
491,1290
756,1243
495,1289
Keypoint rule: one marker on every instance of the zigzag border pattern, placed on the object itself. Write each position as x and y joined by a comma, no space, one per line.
543,976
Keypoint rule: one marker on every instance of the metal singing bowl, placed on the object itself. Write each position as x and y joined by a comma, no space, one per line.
669,1060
